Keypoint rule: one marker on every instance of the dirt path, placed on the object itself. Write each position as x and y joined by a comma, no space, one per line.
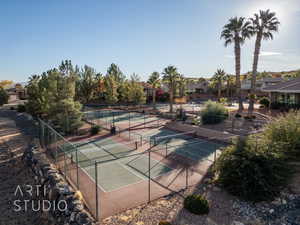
12,174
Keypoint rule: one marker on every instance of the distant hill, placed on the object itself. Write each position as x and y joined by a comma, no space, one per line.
283,74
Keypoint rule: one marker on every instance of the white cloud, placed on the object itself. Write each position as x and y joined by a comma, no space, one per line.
263,53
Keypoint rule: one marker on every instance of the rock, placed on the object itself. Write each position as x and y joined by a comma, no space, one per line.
237,223
271,211
216,189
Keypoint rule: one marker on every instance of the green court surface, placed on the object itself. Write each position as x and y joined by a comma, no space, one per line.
123,172
119,165
119,117
168,142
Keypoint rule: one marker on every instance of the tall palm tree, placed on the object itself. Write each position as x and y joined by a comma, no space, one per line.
154,81
236,32
170,76
263,26
218,79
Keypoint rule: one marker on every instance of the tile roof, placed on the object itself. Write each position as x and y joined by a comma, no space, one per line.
292,86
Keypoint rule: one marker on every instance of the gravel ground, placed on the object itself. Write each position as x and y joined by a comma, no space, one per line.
14,173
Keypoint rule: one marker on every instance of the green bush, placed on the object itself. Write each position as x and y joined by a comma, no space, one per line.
250,170
164,223
284,134
213,113
264,102
3,97
95,130
196,204
223,101
21,108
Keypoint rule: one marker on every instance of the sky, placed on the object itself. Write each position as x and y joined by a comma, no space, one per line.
140,36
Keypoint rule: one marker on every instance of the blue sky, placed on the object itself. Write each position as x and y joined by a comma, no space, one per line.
140,36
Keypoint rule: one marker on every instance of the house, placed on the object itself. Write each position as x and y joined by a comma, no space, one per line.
193,85
260,85
285,94
196,85
16,92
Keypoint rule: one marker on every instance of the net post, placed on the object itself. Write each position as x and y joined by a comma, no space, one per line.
96,190
149,178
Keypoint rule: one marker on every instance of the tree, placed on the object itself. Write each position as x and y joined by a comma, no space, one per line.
87,84
218,79
111,93
154,81
182,82
136,90
116,73
229,83
236,32
51,96
5,83
3,96
170,76
263,26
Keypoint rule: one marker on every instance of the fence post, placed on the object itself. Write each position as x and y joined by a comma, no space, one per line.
166,149
186,178
65,166
149,177
96,189
77,172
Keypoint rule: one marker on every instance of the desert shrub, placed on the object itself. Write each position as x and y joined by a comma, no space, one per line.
195,121
223,101
265,102
196,204
95,129
237,115
252,117
252,96
249,170
164,223
21,108
3,96
213,113
284,132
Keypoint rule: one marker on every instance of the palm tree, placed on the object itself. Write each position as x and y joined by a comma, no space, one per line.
236,32
182,82
218,79
263,26
170,76
154,81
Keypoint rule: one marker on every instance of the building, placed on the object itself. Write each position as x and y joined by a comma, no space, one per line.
196,85
260,85
285,94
